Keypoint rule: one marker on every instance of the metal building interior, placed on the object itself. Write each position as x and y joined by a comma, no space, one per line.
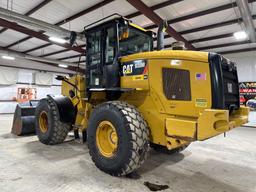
35,47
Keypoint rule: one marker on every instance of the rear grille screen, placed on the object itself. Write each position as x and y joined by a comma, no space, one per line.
224,83
176,84
231,89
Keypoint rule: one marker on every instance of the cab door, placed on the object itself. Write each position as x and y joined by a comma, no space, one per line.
102,68
94,59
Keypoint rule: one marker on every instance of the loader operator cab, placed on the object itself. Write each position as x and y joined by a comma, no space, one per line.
106,43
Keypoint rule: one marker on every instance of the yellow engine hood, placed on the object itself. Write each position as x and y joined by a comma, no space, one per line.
176,54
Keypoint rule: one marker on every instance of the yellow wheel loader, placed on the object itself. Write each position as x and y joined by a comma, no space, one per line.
132,97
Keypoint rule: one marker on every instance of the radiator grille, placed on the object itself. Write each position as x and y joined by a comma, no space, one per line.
224,83
176,84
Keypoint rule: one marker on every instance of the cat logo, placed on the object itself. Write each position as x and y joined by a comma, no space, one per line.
127,69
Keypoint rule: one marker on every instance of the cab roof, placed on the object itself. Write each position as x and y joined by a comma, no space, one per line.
115,18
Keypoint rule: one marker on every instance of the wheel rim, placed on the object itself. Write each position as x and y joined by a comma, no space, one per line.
106,139
43,122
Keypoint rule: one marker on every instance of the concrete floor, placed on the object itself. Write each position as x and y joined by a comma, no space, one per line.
217,165
252,119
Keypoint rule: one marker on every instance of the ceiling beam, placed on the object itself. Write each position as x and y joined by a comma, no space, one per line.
238,51
3,30
84,12
18,54
58,52
207,27
205,48
245,12
34,68
199,14
52,62
33,10
54,53
135,14
35,24
39,6
169,2
39,47
216,37
154,7
75,16
223,45
18,42
220,8
71,68
148,12
39,35
227,35
70,57
82,61
212,26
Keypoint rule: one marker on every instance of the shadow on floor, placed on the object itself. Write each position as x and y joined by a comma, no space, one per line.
156,159
68,149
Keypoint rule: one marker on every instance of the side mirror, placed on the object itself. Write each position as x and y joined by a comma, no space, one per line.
60,78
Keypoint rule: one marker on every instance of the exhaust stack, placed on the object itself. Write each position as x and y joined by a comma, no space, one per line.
179,45
160,35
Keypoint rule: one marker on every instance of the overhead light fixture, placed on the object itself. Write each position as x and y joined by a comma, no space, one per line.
240,35
7,57
57,40
63,65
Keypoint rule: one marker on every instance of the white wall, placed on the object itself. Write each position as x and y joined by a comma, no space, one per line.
25,79
246,65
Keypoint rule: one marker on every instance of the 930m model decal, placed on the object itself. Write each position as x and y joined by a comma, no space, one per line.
136,67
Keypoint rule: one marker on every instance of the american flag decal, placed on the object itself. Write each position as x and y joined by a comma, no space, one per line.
200,76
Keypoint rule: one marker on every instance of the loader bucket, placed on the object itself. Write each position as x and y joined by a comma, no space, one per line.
24,117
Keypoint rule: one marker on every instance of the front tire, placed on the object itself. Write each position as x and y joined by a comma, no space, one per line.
117,138
49,129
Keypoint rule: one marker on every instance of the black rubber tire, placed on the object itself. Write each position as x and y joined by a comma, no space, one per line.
133,138
163,149
57,131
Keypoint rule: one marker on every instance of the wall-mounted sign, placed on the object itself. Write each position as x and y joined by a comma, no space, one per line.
247,91
25,94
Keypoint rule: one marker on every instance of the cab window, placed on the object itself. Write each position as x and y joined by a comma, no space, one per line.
135,41
110,45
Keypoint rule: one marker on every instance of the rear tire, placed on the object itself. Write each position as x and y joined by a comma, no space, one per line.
165,150
49,129
131,145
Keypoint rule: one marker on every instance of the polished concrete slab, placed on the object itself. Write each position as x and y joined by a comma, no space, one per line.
216,165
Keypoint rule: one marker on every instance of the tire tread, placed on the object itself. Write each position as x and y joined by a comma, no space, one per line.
60,130
139,133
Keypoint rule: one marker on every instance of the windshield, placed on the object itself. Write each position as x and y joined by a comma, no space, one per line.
136,41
